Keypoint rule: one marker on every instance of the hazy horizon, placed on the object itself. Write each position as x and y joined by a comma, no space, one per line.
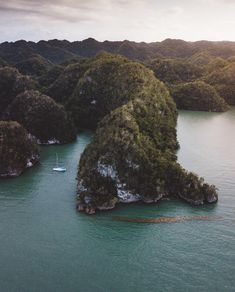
114,40
135,20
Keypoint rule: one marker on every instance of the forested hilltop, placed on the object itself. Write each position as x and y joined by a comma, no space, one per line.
175,62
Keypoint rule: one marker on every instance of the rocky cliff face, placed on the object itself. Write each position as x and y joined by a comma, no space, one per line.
18,151
132,156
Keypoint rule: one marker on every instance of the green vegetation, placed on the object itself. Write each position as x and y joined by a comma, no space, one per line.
36,65
109,82
201,59
216,64
2,63
50,76
173,71
11,84
223,80
184,80
18,151
42,117
133,153
198,96
58,52
63,86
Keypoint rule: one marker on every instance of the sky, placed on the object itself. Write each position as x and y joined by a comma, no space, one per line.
136,20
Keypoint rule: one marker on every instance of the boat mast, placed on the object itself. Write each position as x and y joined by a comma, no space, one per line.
57,160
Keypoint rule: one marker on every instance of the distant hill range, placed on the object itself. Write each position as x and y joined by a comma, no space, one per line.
57,51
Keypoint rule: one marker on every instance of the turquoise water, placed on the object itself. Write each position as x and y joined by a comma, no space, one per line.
45,245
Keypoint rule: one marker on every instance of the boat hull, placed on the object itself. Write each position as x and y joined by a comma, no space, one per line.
59,169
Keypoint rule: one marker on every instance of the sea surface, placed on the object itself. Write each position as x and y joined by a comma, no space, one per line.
45,245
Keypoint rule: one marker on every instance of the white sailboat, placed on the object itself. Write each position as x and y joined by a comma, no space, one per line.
58,168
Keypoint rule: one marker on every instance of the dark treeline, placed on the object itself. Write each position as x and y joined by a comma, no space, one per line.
57,51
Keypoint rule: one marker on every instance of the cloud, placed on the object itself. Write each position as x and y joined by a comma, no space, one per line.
219,2
140,20
38,6
229,1
10,9
61,10
72,18
77,11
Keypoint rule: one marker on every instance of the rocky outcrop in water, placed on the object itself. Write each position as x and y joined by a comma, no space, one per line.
198,96
18,150
42,117
132,156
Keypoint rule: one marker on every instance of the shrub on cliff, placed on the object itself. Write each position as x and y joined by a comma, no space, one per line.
11,84
17,149
42,117
198,96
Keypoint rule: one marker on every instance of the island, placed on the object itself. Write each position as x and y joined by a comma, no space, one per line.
132,156
42,117
18,149
198,96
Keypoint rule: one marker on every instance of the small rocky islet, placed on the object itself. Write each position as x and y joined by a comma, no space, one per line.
130,106
18,149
